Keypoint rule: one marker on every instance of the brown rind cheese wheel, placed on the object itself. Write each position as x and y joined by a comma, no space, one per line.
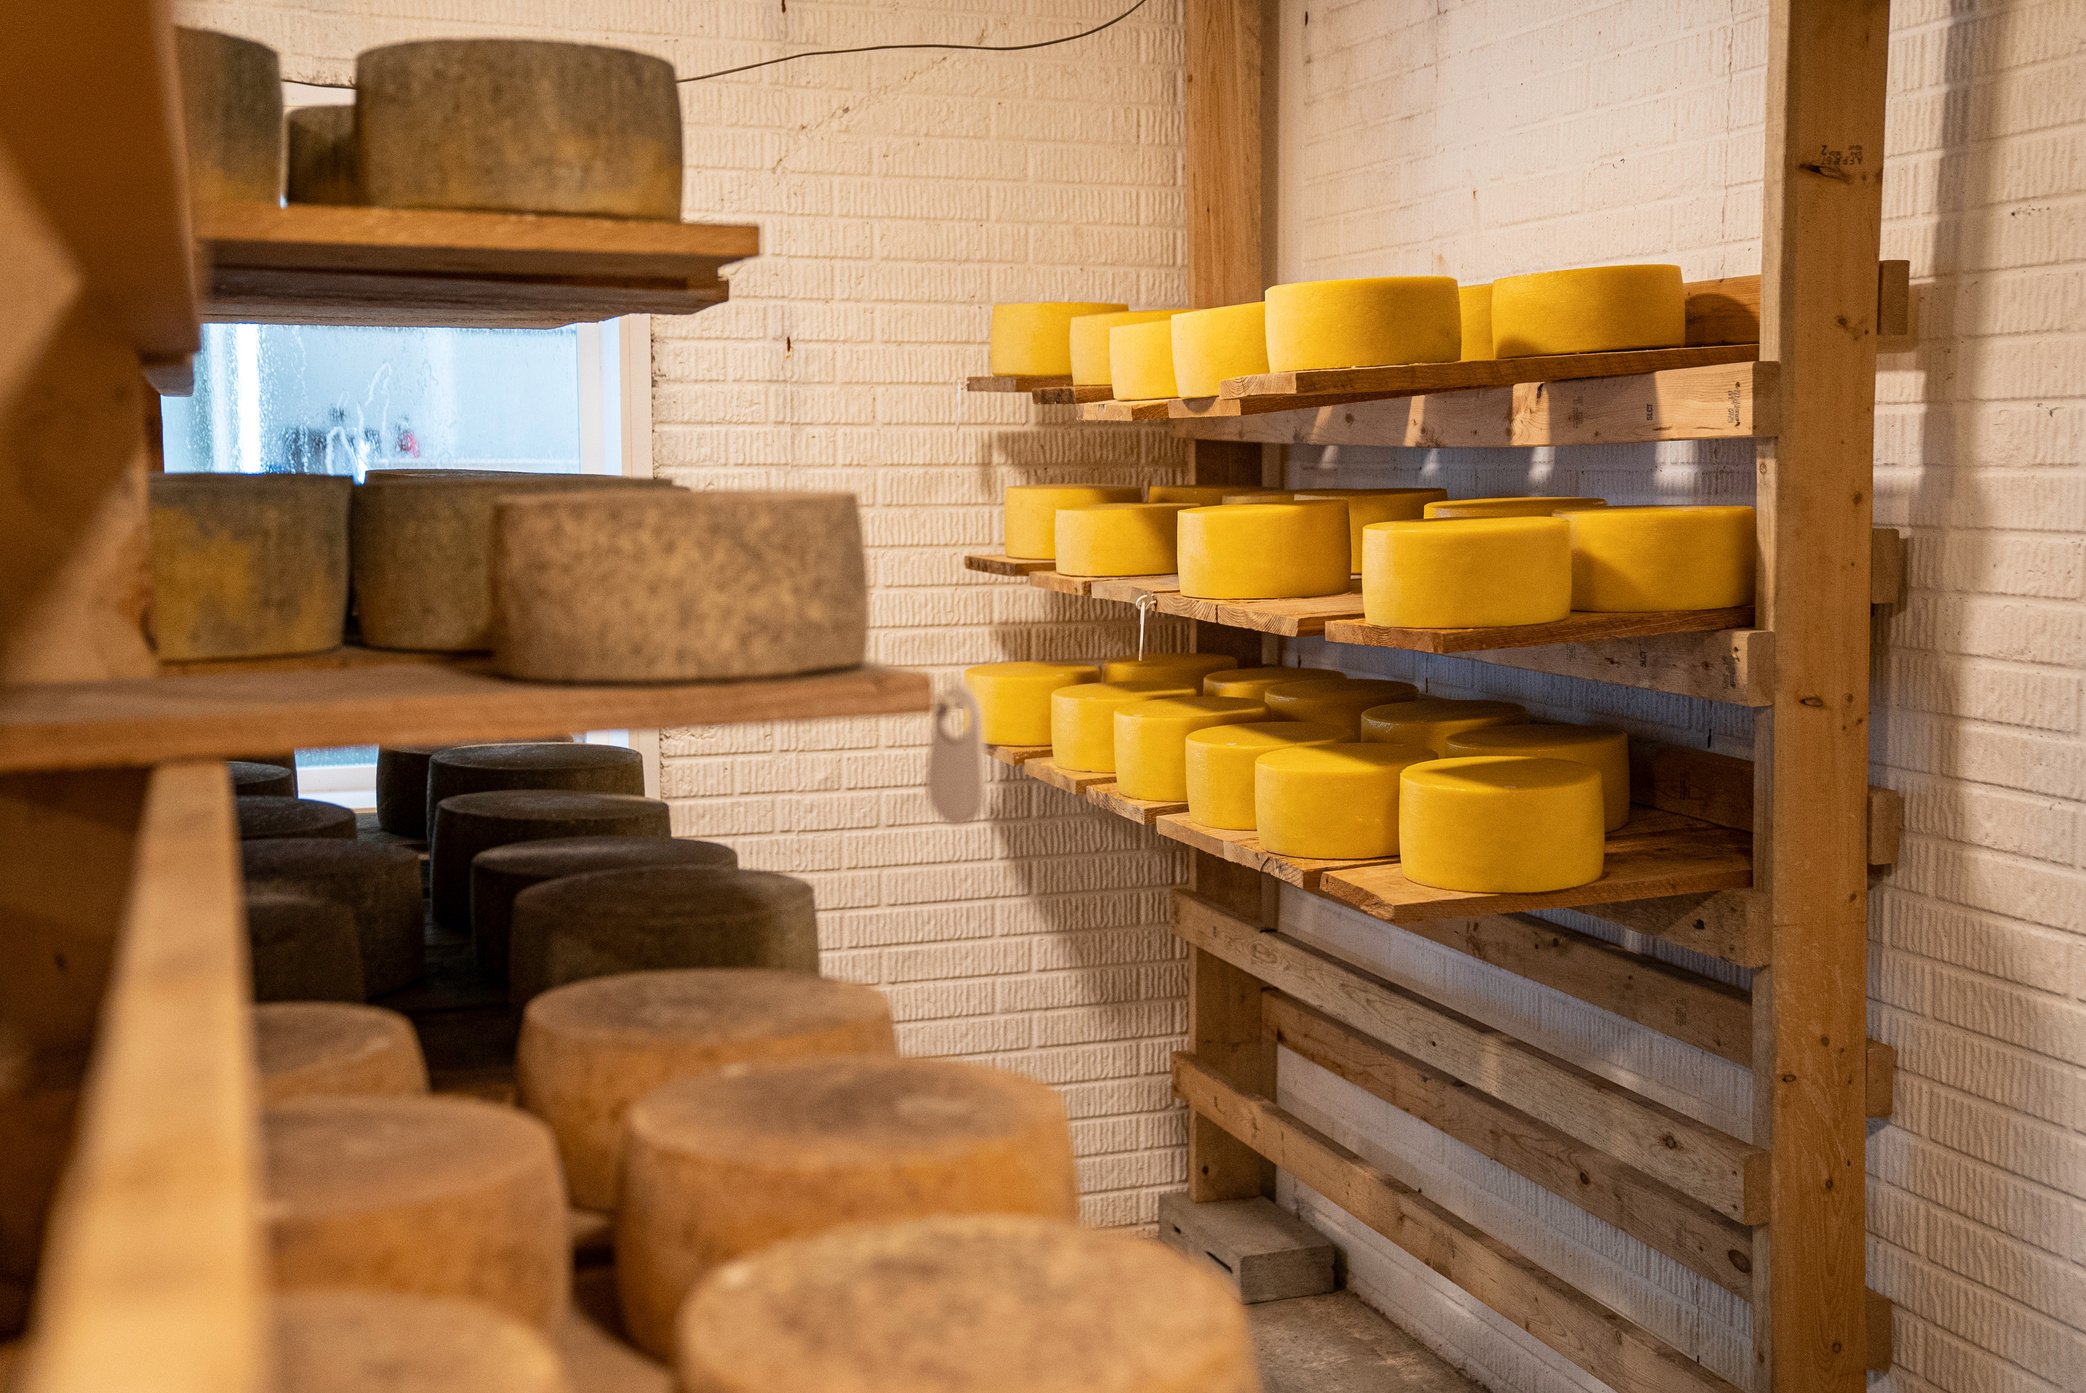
319,1049
500,874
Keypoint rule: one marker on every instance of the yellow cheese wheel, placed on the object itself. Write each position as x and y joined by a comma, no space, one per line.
1117,539
1151,741
1335,701
1593,309
1198,495
1140,361
1430,721
1501,825
1252,682
1362,323
1474,573
1264,551
1031,514
1331,802
1082,720
1366,507
1211,345
1089,340
1014,698
1603,747
1188,669
1219,766
1631,560
1475,302
1035,339
1450,509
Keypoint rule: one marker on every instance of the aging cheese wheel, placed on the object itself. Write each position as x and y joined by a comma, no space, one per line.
402,806
520,126
1219,766
1082,719
1264,551
231,114
591,1049
347,1341
721,1165
473,822
564,765
1430,721
964,1305
1604,748
1253,682
1189,668
1151,741
265,817
1117,539
1468,573
1474,303
303,947
1211,345
321,166
1089,338
435,1196
1368,506
1330,699
1535,507
1502,824
248,565
1140,358
1632,560
314,1049
251,780
1331,802
1035,339
1031,514
1362,323
1014,698
1593,309
503,872
379,885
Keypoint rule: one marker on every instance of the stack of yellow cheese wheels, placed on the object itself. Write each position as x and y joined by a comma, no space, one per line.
1333,700
1594,309
1014,698
1091,365
1218,766
1603,748
1499,825
1184,669
1637,560
1335,802
1082,720
1252,682
1430,721
1031,514
1211,345
1034,340
1117,539
1467,574
1531,507
1264,551
1151,741
1140,360
1366,507
1362,323
1475,302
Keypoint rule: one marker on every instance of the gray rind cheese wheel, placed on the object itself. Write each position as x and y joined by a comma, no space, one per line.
473,822
550,764
379,886
248,565
655,917
724,1164
266,817
402,805
500,874
320,155
231,112
590,1049
315,1049
304,947
514,125
678,586
345,1341
368,829
960,1305
436,1196
254,780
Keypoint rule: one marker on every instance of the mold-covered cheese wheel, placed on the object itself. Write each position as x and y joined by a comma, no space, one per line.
1501,824
1252,682
437,1196
473,822
251,780
1031,514
1196,495
1593,309
316,1049
1140,360
1190,668
266,817
501,873
1264,551
345,1341
1533,507
1430,721
565,765
321,156
519,125
248,565
231,114
1362,323
1082,719
1474,573
1211,345
1117,539
962,1305
1014,698
591,1049
1474,305
1151,741
1035,339
1220,762
722,1165
303,947
1331,802
1633,560
379,885
1330,699
402,806
1089,336
1368,506
1602,747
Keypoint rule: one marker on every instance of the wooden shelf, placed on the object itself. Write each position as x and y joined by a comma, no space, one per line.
1047,391
1281,391
1574,628
997,565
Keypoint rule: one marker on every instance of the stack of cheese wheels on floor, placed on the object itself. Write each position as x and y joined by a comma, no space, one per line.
1211,345
591,1049
313,1049
1219,764
1192,668
248,565
1331,802
1637,560
1474,305
1030,514
1251,682
438,1196
1362,323
1014,698
965,1305
1117,539
473,822
1082,719
1534,506
378,885
1594,309
1430,721
1035,339
718,1166
253,780
264,817
1368,506
320,156
302,947
1092,364
607,922
1501,824
402,806
500,874
1264,551
1198,495
1604,748
345,1341
1467,574
231,115
1151,741
1140,361
1330,699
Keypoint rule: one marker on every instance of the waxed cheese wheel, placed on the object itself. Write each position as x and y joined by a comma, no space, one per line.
319,1049
402,806
248,565
320,156
437,1196
1151,741
251,780
379,885
1211,345
1082,720
1014,698
1362,323
1253,682
1468,573
231,116
1474,305
501,873
1140,358
724,1164
1089,338
1331,802
1190,668
1430,721
265,817
1502,825
1117,539
1264,551
1031,514
1634,560
1591,309
1035,339
1368,506
1219,766
346,1341
519,126
1603,747
302,947
1529,507
965,1305
473,822
591,1049
1333,700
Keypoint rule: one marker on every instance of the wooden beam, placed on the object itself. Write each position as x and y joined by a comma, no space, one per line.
1730,924
1225,1031
1719,788
1733,665
1223,118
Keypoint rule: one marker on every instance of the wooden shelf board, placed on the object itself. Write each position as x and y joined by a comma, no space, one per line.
1045,770
1243,848
1282,390
1292,618
1142,811
1017,755
1575,628
1070,396
1016,384
994,564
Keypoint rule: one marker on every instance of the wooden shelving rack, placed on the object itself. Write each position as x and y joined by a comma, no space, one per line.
1763,865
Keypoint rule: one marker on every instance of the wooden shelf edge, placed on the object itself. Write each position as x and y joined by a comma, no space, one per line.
1288,390
1578,627
995,564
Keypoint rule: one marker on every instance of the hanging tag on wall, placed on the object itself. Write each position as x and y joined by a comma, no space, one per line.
955,757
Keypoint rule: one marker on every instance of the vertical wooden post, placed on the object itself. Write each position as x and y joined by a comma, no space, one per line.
1824,167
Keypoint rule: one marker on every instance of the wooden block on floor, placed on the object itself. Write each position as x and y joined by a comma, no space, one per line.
1263,1252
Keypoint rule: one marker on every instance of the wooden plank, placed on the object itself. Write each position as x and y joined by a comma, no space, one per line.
1152,410
1886,566
1880,1344
1413,379
1017,384
1731,665
1719,789
997,565
1223,47
1615,1350
1046,771
268,295
1879,1079
1886,826
1285,618
1727,924
1142,811
1130,590
1244,849
1070,395
1893,299
1262,1253
1017,755
1061,585
1722,311
1578,627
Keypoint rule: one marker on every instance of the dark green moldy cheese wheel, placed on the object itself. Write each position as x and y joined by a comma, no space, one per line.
500,874
231,113
473,822
252,780
347,1341
379,886
265,817
562,765
305,947
402,805
606,922
248,565
321,155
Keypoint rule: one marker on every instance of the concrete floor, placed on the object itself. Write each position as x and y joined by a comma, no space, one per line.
1335,1344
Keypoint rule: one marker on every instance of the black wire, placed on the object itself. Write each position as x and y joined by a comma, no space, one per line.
898,48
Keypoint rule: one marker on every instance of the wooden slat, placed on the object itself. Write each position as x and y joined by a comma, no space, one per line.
1244,849
1881,1348
1139,810
1129,590
1223,48
1112,410
1413,379
996,565
1731,665
1886,566
1880,1079
1069,395
1016,384
1578,627
1727,924
1719,789
1017,755
1046,771
1284,618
